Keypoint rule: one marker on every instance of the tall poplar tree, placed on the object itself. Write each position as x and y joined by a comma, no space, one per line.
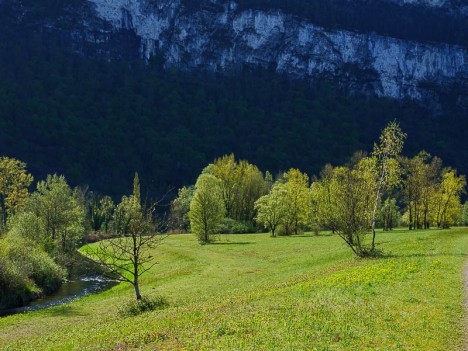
385,155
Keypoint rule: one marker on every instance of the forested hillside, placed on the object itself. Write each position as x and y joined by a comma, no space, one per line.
98,121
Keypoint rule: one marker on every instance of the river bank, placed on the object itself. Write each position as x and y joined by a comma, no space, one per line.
85,277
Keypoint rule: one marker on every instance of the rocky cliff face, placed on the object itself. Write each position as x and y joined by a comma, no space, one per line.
217,37
222,36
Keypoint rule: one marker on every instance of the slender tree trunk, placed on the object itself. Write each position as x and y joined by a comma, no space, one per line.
137,288
136,263
425,219
273,229
205,232
350,238
410,217
136,283
350,244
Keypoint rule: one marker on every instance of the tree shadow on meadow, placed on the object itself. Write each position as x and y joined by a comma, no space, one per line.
308,235
63,311
233,243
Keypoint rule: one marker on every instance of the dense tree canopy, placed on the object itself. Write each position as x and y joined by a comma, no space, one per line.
241,184
61,211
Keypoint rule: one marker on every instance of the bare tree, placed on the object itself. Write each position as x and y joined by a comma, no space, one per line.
138,232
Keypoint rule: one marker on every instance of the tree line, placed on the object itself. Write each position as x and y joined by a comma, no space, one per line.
350,200
40,231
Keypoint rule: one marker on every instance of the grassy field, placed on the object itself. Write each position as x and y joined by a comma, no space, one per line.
254,292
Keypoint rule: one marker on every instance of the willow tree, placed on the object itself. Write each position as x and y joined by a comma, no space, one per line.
242,183
296,200
224,170
323,208
206,208
347,194
422,177
271,208
447,198
251,186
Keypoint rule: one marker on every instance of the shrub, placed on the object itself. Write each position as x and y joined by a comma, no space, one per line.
46,273
231,226
146,304
26,271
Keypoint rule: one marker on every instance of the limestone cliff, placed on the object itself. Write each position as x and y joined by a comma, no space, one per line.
219,37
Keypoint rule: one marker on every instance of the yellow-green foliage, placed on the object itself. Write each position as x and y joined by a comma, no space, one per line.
241,185
14,182
206,208
288,293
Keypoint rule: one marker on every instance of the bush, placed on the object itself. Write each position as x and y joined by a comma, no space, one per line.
146,304
26,271
231,226
46,273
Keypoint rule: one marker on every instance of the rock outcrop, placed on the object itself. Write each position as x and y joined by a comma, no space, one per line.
219,37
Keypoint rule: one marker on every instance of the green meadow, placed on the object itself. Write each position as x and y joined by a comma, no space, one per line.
253,292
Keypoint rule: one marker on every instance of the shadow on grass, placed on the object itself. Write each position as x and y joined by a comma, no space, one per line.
233,243
62,311
307,235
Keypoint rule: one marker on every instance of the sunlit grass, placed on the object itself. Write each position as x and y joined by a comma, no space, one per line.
254,292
